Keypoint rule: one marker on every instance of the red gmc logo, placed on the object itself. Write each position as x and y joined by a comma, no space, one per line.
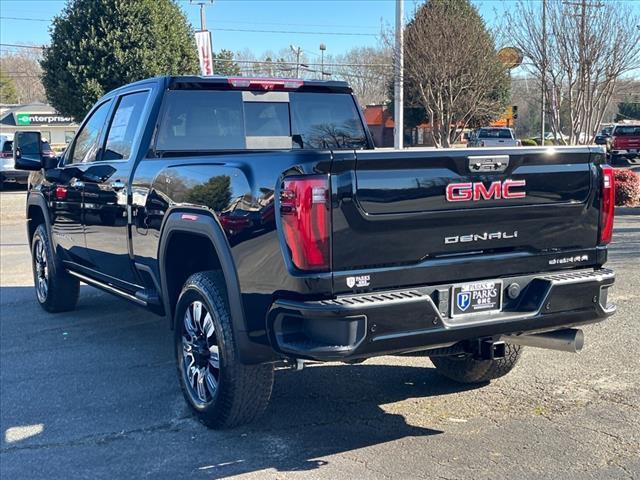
468,191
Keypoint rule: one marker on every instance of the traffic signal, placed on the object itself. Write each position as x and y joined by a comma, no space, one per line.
514,112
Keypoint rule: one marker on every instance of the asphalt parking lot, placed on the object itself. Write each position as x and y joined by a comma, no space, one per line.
94,394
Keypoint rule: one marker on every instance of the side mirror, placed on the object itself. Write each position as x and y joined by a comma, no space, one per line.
27,150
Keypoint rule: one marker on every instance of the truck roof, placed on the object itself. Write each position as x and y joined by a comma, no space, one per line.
242,83
258,83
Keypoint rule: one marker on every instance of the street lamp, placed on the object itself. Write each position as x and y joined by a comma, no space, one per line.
323,47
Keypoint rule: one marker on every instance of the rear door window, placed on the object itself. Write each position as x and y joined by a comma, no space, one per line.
124,126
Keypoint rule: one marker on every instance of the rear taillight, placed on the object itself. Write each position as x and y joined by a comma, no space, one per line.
61,193
607,204
306,221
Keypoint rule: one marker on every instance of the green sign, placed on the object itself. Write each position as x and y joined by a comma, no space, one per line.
41,119
23,119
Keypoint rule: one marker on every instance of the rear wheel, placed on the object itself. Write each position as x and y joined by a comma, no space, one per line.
466,369
56,290
220,390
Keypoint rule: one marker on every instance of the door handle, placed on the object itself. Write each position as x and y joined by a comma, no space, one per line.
118,185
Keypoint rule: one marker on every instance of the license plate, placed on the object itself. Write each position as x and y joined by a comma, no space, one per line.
478,297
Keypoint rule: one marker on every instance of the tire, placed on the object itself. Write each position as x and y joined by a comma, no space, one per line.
56,290
466,369
221,391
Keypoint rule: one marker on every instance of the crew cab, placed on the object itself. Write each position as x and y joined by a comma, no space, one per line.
624,142
256,216
493,137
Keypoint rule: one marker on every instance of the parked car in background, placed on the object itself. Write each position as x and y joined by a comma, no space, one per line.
624,143
604,136
8,173
493,137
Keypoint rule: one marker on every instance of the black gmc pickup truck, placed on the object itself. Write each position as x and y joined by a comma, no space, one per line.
257,215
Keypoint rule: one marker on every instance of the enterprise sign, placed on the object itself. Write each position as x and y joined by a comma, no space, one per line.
41,119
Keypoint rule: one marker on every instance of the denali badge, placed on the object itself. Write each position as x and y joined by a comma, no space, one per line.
467,192
477,237
361,281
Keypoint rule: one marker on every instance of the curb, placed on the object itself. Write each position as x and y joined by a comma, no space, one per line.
627,211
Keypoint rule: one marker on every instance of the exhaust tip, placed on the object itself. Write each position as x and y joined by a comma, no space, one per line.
578,340
567,340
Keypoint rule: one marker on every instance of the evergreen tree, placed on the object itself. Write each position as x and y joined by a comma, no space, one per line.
99,45
224,64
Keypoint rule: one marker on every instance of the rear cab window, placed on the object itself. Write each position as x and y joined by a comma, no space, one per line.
627,131
211,120
495,133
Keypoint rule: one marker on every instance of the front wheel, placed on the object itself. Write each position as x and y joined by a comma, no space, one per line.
220,390
466,369
56,290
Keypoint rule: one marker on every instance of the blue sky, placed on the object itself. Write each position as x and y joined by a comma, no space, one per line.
327,19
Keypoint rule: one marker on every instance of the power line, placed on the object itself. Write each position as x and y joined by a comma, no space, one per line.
277,24
349,34
276,62
253,62
245,30
13,45
25,19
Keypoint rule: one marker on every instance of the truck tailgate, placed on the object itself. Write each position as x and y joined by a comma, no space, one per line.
397,212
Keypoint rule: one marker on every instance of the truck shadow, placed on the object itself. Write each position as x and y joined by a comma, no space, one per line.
327,410
324,410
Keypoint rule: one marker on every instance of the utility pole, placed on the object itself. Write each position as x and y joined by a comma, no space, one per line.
584,84
544,70
323,47
203,4
398,91
297,51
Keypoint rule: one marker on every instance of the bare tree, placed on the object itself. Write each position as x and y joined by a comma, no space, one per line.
367,69
23,67
451,69
590,45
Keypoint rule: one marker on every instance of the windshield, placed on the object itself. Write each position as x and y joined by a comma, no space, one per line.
494,133
196,120
627,130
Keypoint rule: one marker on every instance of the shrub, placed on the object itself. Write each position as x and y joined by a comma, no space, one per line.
627,187
528,142
547,142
